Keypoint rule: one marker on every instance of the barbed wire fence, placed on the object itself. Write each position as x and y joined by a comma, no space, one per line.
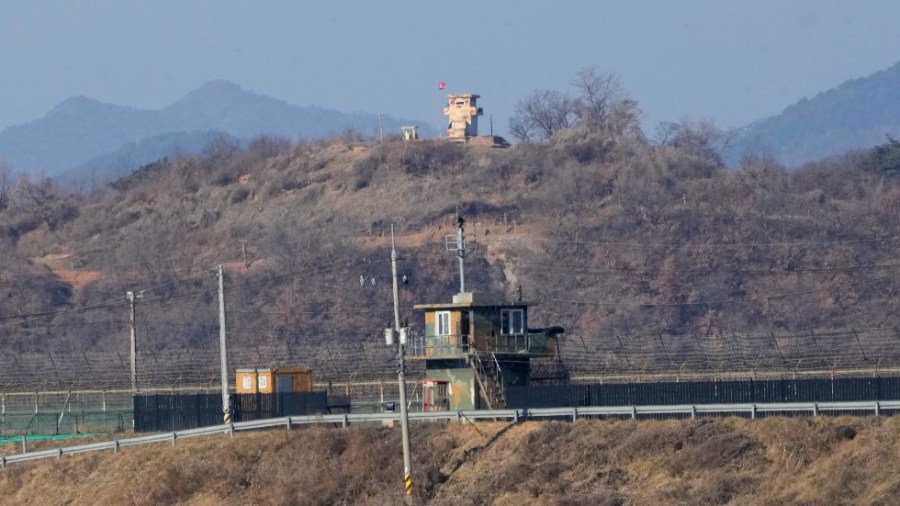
834,352
367,370
65,381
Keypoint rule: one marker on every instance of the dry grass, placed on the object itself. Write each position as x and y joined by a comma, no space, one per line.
721,461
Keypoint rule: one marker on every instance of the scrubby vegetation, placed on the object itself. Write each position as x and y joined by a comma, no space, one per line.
616,234
679,462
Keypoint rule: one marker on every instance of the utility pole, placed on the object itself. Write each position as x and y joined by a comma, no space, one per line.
130,296
401,375
380,129
461,252
226,409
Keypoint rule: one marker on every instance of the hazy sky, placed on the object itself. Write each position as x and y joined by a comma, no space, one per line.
732,61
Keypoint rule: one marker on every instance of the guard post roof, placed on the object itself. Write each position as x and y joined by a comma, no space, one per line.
473,299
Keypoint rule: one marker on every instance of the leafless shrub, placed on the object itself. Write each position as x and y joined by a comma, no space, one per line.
700,138
265,147
363,171
423,158
239,195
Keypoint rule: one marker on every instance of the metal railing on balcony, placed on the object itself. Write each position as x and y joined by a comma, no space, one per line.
456,345
447,346
532,344
508,343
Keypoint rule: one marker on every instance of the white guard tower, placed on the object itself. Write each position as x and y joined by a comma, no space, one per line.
463,111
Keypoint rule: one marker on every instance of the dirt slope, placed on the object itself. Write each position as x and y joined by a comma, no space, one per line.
713,461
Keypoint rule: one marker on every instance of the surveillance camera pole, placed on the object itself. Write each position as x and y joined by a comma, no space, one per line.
130,296
461,252
223,351
401,378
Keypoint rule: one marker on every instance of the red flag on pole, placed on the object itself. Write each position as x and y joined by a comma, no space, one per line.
442,85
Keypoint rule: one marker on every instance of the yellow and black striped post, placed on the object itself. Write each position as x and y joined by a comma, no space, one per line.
227,416
409,484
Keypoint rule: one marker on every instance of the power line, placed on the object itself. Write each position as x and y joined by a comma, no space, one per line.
62,311
163,260
707,302
570,269
634,244
169,299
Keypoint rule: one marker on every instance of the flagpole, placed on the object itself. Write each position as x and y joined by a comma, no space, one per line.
441,86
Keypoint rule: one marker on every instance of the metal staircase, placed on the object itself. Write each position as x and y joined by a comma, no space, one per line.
489,377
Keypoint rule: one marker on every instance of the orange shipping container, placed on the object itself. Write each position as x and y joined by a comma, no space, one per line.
273,380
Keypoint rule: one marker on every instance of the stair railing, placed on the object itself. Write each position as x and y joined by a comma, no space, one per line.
498,375
481,376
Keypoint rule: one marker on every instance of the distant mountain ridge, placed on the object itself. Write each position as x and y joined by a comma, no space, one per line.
859,113
82,133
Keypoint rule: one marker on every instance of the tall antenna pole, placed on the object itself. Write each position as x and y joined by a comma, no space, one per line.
461,252
223,353
394,281
130,297
401,377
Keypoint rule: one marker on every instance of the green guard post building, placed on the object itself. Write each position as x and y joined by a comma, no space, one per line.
474,348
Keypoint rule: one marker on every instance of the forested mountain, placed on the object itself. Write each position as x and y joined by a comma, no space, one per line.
611,234
858,114
85,135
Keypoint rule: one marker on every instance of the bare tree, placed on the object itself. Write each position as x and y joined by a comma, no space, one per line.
541,114
599,95
220,147
520,128
699,137
6,181
43,200
600,105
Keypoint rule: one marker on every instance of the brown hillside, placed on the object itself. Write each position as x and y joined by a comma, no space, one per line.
613,235
840,461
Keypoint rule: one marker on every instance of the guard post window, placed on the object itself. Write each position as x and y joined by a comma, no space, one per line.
512,321
442,319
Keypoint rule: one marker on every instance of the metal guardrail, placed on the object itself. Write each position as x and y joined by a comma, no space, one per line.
515,415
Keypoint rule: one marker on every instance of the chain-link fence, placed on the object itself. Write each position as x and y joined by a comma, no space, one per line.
734,354
80,390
